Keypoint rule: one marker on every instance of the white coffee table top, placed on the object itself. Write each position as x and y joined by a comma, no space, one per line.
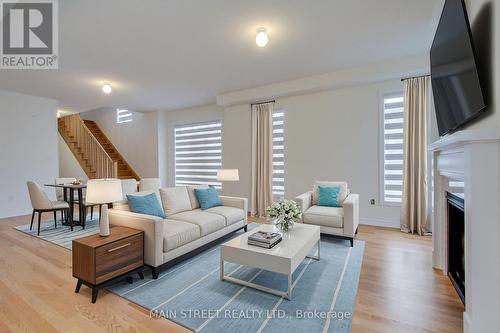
291,244
283,258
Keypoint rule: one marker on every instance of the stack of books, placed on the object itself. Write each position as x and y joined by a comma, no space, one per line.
264,239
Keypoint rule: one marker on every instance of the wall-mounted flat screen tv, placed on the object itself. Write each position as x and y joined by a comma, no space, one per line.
457,91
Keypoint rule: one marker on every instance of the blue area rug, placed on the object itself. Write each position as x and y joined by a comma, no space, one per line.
62,235
191,294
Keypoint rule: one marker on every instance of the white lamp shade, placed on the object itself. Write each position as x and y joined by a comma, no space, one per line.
228,175
103,191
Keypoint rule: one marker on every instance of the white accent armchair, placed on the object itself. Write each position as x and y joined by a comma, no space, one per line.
341,222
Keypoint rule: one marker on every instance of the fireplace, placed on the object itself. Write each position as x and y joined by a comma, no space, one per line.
456,242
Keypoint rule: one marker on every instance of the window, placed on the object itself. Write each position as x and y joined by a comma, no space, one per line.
278,154
198,154
392,147
123,116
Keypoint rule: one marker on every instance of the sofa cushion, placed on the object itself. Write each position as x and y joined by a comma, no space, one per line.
326,216
344,190
192,197
207,197
208,222
175,200
231,214
178,233
123,204
145,204
129,186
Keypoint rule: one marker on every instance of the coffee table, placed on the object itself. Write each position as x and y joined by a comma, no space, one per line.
283,258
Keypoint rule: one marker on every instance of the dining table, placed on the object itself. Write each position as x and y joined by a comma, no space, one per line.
82,211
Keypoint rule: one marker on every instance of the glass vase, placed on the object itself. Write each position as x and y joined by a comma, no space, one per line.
284,225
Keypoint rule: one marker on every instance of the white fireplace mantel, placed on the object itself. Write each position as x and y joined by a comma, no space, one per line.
472,156
464,137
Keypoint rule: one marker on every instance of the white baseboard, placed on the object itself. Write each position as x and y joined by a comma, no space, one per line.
380,222
466,323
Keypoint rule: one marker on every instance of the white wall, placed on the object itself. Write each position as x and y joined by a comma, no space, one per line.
28,147
483,266
163,158
334,135
330,135
237,149
393,69
167,120
68,164
137,141
484,16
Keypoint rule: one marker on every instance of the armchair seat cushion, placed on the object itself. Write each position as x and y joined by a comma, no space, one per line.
332,217
178,233
207,222
231,214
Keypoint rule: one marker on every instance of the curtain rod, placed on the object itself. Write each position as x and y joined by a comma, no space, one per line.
271,101
414,77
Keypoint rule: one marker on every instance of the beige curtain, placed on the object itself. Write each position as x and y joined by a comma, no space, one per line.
262,157
414,202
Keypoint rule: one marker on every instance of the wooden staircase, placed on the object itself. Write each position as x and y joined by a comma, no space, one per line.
95,153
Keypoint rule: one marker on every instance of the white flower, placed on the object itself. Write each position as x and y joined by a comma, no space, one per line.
285,210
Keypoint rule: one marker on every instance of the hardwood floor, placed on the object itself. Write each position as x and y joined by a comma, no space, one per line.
398,291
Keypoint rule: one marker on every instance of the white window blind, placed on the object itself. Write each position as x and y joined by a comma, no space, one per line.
198,153
278,154
456,187
393,108
123,116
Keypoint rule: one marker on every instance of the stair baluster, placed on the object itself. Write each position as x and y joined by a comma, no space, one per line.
87,148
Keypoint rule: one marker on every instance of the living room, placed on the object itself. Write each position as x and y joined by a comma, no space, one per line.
260,166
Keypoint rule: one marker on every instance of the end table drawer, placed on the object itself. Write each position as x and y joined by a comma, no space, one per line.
118,257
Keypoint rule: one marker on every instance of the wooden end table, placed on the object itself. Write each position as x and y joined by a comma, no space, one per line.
99,261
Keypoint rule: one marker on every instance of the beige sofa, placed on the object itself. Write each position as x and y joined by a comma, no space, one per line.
341,222
186,230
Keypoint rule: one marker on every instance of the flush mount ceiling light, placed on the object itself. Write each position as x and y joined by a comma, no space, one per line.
261,38
106,88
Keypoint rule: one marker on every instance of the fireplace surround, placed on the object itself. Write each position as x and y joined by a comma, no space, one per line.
472,157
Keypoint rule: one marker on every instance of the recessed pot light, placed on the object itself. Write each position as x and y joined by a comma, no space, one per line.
261,38
106,88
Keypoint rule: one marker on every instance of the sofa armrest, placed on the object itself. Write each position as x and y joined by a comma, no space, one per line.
153,232
304,201
236,202
351,214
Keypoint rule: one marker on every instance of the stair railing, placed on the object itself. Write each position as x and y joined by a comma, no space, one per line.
98,159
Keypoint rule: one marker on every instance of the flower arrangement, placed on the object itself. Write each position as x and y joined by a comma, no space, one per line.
285,213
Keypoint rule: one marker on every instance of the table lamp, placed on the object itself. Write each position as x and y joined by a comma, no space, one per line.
103,192
228,175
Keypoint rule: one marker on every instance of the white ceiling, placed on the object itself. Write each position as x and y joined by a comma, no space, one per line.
169,54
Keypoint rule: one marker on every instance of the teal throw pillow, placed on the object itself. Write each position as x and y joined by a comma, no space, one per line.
147,204
329,196
207,197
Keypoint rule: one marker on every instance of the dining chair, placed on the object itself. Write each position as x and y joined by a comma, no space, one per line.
60,191
41,203
129,186
146,184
